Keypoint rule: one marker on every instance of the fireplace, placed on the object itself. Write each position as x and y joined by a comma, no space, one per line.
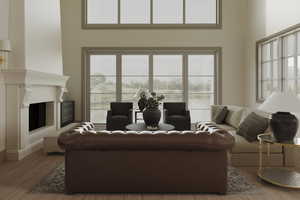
32,104
37,116
40,115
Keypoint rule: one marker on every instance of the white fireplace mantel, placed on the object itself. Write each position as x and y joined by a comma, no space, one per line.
22,88
30,77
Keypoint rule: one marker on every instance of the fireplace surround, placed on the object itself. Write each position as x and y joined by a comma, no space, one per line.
23,88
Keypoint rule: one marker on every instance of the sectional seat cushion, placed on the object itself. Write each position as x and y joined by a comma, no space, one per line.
252,126
243,146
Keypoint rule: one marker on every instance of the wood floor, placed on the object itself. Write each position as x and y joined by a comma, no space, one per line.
17,179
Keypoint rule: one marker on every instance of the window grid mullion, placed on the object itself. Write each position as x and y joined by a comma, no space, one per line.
151,11
185,74
184,12
272,65
151,73
119,78
296,62
119,11
261,74
282,84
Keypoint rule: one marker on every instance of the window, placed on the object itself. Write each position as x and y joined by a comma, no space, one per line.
181,75
102,85
167,76
201,74
278,63
200,11
269,76
135,74
151,13
131,15
167,11
102,12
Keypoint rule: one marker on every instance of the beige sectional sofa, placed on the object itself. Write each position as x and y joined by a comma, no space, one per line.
244,153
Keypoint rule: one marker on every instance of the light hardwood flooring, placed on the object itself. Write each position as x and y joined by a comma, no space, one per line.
18,178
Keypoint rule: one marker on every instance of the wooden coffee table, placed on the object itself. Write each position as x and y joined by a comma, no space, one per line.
143,127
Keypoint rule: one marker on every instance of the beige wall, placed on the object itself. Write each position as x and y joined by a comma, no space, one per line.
4,12
4,8
35,33
230,38
43,47
265,17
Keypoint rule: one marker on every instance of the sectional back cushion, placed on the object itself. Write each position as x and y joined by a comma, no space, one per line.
234,116
252,126
220,114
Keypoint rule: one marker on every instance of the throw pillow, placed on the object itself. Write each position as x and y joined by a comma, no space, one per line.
252,126
220,115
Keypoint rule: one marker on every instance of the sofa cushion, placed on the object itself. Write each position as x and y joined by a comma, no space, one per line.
146,140
252,126
220,115
234,116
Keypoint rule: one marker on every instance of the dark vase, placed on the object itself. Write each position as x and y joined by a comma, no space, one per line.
142,103
152,117
284,126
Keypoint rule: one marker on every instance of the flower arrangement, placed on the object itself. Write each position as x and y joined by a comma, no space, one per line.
154,101
148,100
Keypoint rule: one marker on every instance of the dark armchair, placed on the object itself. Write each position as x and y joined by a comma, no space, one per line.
175,113
119,115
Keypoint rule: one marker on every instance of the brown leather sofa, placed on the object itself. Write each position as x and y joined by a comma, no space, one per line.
127,162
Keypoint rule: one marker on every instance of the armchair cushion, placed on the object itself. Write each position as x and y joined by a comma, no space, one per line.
175,108
120,108
119,117
177,117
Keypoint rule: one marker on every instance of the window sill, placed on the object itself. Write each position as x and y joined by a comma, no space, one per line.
151,26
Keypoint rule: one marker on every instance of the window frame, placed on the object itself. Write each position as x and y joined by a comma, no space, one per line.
280,37
86,25
88,51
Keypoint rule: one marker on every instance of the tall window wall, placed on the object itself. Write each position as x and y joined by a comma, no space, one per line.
189,76
151,13
279,63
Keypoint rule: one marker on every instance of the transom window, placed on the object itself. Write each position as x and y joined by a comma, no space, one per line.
151,13
189,76
279,63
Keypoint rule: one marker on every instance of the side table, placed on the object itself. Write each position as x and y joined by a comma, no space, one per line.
279,176
136,112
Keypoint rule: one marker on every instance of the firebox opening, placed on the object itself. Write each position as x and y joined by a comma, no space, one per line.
40,115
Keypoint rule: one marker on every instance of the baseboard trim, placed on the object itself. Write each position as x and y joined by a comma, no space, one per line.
2,156
15,155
